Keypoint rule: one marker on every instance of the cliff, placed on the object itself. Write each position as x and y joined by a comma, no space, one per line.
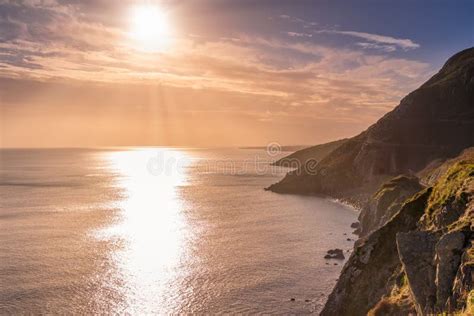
433,123
422,259
412,175
386,202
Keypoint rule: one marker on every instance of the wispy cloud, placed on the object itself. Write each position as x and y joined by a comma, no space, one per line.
373,41
325,83
381,47
297,34
304,23
403,43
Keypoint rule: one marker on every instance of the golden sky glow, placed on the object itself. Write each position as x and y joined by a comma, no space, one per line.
198,73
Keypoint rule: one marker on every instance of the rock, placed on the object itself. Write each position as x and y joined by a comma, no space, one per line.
348,239
386,202
292,299
416,251
355,225
464,282
335,254
448,255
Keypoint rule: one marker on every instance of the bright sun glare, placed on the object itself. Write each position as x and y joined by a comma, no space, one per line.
150,28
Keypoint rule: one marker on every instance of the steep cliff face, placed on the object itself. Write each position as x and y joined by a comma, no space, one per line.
371,269
386,202
436,121
422,260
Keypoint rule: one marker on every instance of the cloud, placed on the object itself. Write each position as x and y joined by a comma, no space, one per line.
296,34
55,43
304,23
376,41
405,44
385,48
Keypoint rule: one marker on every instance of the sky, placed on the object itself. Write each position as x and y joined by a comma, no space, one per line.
214,72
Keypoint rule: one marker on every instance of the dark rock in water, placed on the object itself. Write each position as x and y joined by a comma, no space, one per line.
292,299
344,234
355,225
307,301
335,264
335,254
348,239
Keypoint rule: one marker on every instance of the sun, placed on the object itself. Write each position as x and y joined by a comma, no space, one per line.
150,29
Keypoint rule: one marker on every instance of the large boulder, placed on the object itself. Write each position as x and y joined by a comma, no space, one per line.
448,256
416,252
386,202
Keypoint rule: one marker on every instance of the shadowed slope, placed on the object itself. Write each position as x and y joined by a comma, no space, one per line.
436,121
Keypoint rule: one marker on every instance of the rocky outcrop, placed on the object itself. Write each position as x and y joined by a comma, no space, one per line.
364,278
434,122
422,259
462,291
386,202
416,251
448,256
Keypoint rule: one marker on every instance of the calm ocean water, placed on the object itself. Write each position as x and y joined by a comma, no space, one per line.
155,230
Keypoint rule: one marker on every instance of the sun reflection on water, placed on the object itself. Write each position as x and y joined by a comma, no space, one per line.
152,230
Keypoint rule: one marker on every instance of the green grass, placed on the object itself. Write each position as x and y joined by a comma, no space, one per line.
449,190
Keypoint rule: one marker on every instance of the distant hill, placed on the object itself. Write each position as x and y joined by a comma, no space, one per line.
317,153
434,122
289,148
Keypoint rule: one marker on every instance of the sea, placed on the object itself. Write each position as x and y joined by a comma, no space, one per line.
155,230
